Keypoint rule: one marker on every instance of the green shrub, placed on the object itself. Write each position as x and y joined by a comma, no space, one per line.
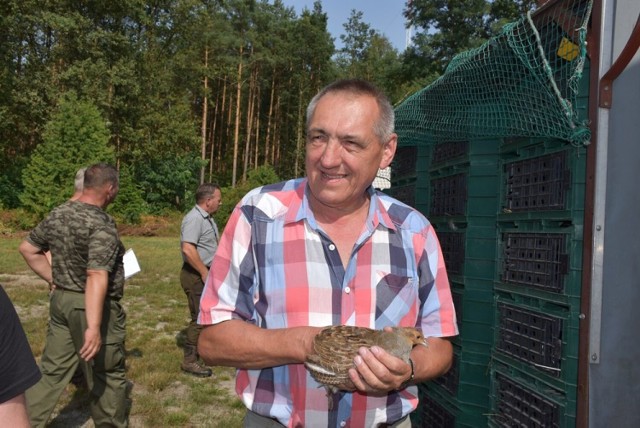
17,220
76,136
129,205
231,196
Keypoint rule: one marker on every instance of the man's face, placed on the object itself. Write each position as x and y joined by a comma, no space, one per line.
343,152
213,202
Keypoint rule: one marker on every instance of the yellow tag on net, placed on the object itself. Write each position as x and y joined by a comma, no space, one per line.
567,50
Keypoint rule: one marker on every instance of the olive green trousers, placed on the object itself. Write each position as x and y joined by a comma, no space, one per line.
105,374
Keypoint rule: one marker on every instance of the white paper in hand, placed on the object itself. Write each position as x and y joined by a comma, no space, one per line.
131,266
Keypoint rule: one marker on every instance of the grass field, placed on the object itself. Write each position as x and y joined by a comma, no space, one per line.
161,395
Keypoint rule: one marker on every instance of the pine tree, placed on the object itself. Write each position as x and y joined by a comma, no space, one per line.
75,137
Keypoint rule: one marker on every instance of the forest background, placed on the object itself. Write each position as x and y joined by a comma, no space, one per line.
178,92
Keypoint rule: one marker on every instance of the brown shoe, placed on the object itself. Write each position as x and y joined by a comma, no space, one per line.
196,369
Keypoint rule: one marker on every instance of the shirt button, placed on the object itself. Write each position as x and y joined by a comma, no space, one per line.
347,290
332,247
343,424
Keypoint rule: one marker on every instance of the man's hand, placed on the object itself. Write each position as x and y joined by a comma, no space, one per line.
378,372
91,345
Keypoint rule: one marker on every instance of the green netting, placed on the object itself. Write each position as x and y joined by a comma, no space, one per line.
521,83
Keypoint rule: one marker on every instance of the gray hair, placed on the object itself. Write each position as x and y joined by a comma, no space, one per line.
78,183
383,127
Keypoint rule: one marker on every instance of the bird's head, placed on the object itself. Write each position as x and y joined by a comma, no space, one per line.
413,335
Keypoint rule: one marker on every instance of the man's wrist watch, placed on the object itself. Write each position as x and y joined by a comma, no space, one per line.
406,382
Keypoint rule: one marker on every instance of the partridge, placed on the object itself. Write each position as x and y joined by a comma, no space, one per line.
335,348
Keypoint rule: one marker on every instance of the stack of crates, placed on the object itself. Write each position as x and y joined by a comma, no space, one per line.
538,284
462,203
409,176
509,215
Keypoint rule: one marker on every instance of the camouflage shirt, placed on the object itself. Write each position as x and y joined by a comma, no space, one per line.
81,236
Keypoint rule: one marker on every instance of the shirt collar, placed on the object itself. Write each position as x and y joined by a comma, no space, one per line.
301,210
202,212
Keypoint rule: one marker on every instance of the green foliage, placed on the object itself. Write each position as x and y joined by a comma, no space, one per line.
232,195
179,81
16,220
75,137
448,27
167,181
369,55
10,181
129,204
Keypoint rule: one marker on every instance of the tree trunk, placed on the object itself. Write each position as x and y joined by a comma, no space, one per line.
236,132
205,102
251,98
212,134
299,125
267,141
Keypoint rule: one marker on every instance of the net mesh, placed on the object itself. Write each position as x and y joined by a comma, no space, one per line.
520,83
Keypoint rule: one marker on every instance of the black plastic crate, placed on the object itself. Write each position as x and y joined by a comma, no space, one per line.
406,193
452,245
535,260
449,381
449,195
457,296
530,336
518,406
434,415
537,184
404,162
445,152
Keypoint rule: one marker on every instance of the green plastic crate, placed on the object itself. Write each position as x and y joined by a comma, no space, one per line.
517,399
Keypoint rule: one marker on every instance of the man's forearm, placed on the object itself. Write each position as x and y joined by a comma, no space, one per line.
433,360
94,296
236,343
193,258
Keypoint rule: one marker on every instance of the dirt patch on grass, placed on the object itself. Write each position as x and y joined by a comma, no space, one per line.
152,226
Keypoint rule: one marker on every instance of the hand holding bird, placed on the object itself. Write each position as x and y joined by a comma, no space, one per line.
335,348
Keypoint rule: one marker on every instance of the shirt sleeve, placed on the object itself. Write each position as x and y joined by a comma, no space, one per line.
190,230
438,316
38,237
228,292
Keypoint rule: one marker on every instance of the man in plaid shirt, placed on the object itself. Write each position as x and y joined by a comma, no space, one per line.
324,250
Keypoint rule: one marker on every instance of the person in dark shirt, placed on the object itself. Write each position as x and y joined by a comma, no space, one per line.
18,369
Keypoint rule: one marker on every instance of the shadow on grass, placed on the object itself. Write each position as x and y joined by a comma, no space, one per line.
76,413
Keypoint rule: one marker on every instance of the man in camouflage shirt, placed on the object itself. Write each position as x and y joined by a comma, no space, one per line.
87,321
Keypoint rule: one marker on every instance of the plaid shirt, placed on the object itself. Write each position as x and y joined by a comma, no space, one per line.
275,267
